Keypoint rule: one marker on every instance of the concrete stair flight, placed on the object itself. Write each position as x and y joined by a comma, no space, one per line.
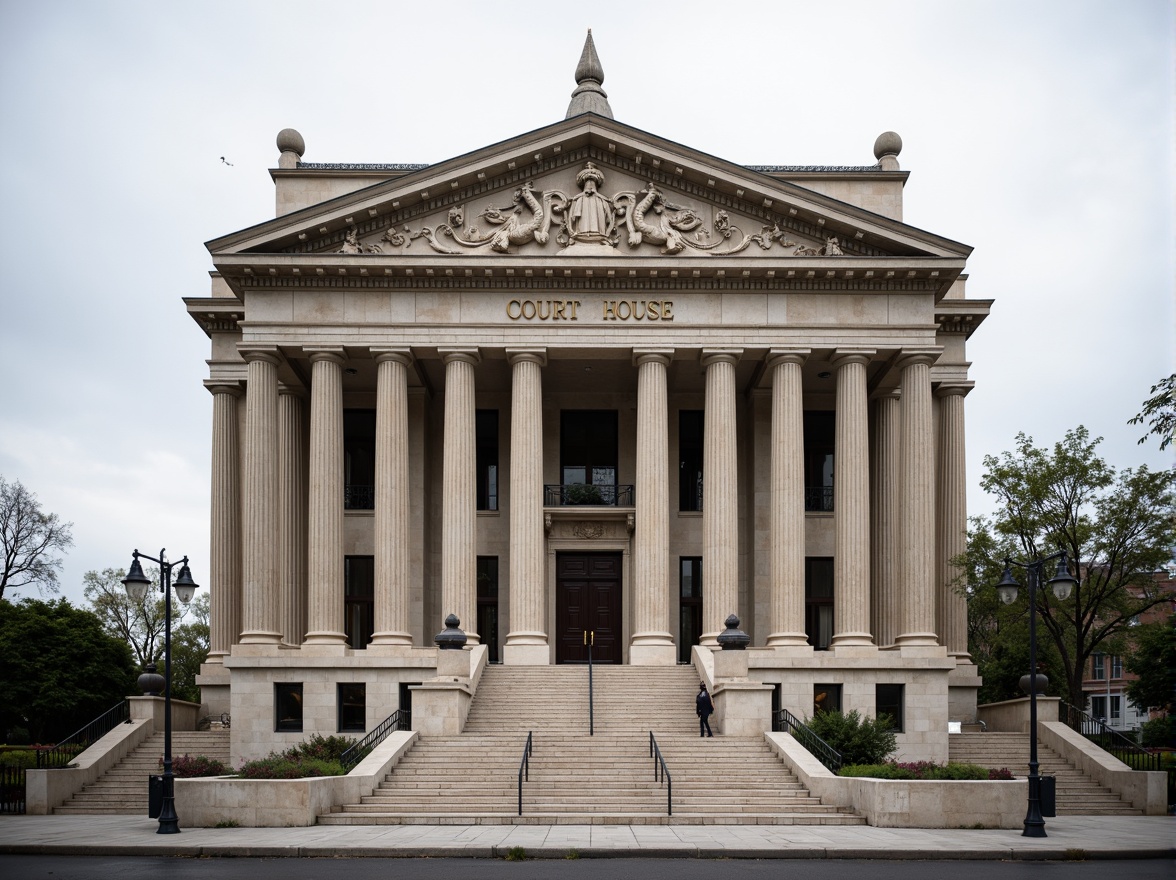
1077,793
575,778
123,788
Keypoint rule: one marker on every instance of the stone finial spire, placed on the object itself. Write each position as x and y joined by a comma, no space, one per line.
589,97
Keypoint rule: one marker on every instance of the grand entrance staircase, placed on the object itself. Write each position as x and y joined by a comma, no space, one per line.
1077,793
607,778
123,788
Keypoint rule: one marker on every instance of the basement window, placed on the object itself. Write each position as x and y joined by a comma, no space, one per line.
288,707
888,701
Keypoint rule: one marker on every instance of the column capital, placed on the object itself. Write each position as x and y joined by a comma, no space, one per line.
721,356
252,351
333,354
887,394
924,356
220,386
527,355
661,356
954,389
843,356
292,390
400,354
466,355
787,355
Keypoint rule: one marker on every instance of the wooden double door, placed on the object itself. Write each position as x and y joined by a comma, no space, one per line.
588,600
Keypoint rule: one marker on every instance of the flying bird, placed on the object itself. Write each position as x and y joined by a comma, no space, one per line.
226,161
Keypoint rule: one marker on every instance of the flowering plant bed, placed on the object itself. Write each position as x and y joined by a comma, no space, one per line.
925,770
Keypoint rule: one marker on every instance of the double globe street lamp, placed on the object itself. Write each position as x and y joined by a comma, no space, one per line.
1062,584
138,585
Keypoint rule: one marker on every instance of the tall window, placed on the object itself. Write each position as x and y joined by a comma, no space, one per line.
818,601
690,607
488,605
351,698
359,587
690,432
588,455
288,707
826,698
819,432
1098,667
359,459
1116,666
888,701
486,442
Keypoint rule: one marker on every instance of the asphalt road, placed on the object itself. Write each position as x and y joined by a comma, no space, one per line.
17,867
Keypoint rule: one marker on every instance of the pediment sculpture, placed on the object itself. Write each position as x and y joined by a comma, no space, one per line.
589,217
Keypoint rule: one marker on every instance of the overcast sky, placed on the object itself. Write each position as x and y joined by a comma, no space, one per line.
1040,132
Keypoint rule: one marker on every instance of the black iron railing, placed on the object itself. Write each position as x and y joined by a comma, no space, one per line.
661,773
77,742
525,766
576,494
818,498
401,719
12,789
1110,740
359,497
785,722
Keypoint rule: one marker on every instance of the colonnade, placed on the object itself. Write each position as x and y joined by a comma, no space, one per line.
282,544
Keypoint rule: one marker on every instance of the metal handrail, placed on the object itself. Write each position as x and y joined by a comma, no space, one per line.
589,640
525,766
818,499
1110,740
572,494
660,772
401,719
61,754
785,721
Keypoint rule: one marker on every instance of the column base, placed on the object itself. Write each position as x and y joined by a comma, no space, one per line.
392,638
260,637
653,655
916,639
852,639
788,640
325,638
526,655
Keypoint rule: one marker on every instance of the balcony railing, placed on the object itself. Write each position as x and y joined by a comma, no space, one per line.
359,497
818,499
575,494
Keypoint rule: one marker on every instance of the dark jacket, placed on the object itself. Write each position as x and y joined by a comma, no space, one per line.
704,704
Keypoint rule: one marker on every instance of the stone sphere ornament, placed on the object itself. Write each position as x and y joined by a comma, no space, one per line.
887,144
151,683
290,141
733,638
451,638
1040,683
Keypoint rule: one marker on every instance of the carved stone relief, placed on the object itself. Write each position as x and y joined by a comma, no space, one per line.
588,217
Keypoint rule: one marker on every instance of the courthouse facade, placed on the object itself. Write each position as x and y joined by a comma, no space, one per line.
586,383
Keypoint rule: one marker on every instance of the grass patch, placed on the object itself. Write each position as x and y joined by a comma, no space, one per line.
227,823
516,854
1075,855
573,854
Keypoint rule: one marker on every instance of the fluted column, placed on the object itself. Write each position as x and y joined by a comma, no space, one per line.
526,643
916,545
786,499
720,510
325,522
851,503
459,493
292,501
224,564
392,498
952,520
260,598
652,644
885,507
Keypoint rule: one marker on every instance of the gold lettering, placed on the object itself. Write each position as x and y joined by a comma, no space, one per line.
532,305
514,303
557,310
574,303
628,310
610,310
540,312
667,307
653,310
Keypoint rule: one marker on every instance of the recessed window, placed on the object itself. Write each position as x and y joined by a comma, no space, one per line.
486,455
888,701
487,568
1116,666
352,701
690,429
359,587
288,707
690,605
819,432
818,601
359,459
826,698
1098,664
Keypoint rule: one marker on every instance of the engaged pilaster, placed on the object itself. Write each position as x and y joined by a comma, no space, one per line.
325,522
952,521
720,522
526,643
292,509
886,510
917,492
786,525
224,564
260,599
392,498
851,506
459,492
652,644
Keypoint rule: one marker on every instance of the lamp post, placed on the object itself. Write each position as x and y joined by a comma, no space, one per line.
137,585
1062,583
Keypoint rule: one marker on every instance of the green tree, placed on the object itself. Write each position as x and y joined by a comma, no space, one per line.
190,642
1152,656
1117,529
30,540
60,669
1159,411
139,624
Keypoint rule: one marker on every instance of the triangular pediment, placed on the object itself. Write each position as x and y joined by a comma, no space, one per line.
587,189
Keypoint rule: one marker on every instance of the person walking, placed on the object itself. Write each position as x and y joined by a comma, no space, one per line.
704,705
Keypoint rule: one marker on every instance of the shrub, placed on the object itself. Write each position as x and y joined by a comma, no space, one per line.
322,748
1158,733
859,740
188,767
924,770
275,766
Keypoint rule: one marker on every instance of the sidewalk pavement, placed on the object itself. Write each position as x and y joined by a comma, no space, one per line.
1070,838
